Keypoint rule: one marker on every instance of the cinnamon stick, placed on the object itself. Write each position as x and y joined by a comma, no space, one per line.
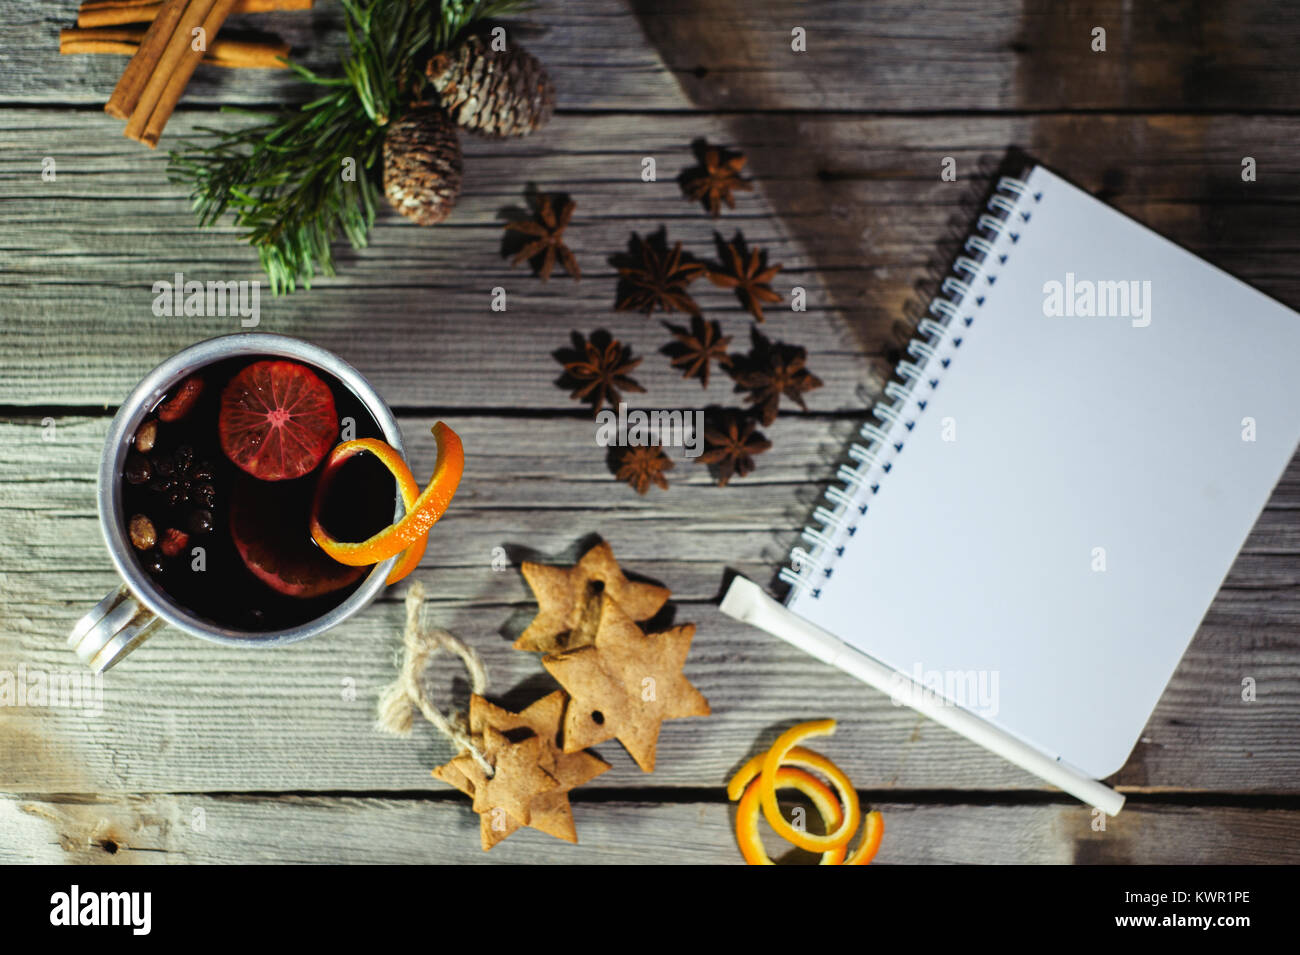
109,40
174,52
110,13
179,75
231,53
142,66
249,54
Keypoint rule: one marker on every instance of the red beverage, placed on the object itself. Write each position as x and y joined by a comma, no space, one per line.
218,486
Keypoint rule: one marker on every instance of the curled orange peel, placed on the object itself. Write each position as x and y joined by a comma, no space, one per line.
406,486
873,828
787,777
797,756
748,789
410,535
772,761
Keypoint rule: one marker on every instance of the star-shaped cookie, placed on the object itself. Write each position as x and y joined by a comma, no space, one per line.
625,685
567,600
548,811
518,775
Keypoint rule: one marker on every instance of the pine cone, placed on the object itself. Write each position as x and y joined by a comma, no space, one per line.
505,93
422,164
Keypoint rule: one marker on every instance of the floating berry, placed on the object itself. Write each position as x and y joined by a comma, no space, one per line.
142,532
180,404
147,436
277,420
173,541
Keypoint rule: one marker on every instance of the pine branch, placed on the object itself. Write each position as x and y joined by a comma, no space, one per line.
458,15
285,179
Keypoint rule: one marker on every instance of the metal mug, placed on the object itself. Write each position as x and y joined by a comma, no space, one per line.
127,616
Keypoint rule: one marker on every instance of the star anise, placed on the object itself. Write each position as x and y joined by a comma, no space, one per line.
640,466
768,372
651,276
693,351
547,231
746,270
731,443
714,180
598,369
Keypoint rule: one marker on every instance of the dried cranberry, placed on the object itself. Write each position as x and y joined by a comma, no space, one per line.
173,541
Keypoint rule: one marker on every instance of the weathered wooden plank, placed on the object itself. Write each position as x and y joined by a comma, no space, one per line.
92,266
863,218
558,475
595,51
184,715
164,829
895,55
885,56
866,203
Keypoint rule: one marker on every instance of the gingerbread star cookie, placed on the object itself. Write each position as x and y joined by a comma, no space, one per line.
567,600
518,775
548,810
625,684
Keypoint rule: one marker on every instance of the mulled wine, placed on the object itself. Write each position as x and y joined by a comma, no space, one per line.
218,488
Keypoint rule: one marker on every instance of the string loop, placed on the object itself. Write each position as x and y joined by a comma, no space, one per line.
400,699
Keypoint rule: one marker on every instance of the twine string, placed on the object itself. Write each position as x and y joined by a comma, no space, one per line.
399,700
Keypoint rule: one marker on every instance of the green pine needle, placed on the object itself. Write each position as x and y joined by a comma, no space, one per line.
286,179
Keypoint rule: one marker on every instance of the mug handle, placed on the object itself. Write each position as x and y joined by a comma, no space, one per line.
114,627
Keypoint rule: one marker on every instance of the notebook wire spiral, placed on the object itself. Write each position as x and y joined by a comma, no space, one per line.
936,345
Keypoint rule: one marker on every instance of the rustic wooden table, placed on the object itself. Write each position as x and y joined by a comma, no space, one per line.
212,754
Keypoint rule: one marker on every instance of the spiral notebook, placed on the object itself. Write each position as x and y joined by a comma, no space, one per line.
1039,512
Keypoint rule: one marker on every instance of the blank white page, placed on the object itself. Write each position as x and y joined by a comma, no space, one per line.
1067,504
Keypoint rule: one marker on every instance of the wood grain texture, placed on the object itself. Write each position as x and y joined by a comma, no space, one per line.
863,198
595,51
277,752
862,220
183,715
950,55
86,249
888,55
232,829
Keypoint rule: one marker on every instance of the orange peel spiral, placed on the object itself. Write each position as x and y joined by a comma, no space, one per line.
410,535
787,777
755,785
767,792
